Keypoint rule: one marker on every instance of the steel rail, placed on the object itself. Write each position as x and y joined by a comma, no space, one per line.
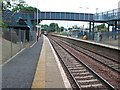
99,77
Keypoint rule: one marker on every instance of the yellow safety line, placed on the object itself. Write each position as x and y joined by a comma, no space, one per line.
39,78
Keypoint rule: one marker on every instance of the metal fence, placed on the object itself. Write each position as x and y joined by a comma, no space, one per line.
111,37
14,40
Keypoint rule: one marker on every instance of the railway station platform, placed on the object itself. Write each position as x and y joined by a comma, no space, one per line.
92,42
36,67
49,72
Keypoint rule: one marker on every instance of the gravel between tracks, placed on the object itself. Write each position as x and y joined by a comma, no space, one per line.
110,76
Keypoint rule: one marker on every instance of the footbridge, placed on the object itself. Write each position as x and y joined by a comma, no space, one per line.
112,15
28,20
72,16
18,16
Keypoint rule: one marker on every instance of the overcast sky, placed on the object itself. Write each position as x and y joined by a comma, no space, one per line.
73,6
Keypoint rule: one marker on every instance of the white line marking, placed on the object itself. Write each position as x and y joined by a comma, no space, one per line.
33,44
64,77
16,55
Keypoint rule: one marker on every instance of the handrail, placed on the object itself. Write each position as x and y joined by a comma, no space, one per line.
112,14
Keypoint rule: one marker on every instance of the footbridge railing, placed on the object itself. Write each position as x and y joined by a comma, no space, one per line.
108,15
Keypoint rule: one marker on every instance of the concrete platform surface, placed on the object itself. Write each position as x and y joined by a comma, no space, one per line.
19,71
35,67
49,73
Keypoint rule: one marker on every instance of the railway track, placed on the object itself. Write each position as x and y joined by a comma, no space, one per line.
83,75
110,63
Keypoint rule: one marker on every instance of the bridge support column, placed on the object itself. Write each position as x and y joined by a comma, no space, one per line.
90,31
108,31
115,30
93,31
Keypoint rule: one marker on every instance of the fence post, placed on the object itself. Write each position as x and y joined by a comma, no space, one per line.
93,32
90,31
115,30
19,38
24,36
11,40
112,31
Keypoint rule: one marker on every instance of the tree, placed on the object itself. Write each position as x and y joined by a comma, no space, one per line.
53,27
62,29
18,5
101,27
45,27
29,9
5,5
104,30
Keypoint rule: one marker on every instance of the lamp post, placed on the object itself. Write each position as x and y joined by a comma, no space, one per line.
96,13
85,8
37,22
96,10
